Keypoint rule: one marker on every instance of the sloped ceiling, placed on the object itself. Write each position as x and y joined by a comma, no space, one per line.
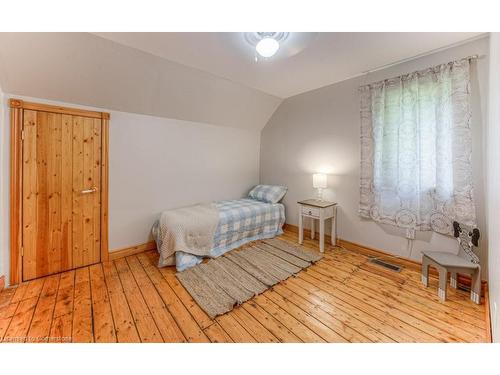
85,69
201,77
320,60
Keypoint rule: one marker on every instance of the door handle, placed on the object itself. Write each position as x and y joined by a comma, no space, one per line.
93,189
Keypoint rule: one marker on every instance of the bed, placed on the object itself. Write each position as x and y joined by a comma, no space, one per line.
258,216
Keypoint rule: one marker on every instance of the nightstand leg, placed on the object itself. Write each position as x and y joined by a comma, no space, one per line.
301,229
334,228
313,230
321,235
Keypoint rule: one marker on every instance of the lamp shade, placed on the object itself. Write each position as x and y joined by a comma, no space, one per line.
319,181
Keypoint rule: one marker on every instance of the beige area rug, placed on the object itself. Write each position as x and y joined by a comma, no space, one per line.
224,282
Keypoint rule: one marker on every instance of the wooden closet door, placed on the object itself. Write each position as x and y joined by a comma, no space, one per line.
61,192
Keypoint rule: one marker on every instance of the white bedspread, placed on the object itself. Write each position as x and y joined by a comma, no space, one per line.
188,229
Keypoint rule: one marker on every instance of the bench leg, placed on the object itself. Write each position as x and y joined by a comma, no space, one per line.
453,280
425,271
475,290
443,273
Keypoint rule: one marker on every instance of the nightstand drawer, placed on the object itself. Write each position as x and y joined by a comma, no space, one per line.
311,211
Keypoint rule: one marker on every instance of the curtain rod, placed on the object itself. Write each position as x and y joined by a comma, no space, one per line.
472,57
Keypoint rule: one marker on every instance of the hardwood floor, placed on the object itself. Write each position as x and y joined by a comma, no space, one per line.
342,298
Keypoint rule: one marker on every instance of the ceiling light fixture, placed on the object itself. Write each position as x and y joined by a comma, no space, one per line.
267,47
266,44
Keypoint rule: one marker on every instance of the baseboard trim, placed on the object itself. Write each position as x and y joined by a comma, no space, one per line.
132,250
370,251
416,265
489,334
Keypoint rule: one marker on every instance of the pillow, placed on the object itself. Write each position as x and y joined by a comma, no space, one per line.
268,193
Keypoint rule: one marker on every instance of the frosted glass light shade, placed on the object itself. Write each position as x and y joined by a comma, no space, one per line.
267,47
319,181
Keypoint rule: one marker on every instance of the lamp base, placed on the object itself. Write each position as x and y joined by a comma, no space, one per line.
320,194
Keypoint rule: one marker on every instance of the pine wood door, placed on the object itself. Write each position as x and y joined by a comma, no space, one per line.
61,185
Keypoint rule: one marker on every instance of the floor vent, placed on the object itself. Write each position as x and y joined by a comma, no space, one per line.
385,264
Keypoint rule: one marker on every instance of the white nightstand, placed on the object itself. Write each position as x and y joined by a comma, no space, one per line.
318,210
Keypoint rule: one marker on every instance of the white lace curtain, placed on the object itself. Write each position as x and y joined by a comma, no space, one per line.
416,149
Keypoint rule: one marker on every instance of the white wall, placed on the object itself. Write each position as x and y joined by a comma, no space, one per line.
160,163
156,163
319,131
493,185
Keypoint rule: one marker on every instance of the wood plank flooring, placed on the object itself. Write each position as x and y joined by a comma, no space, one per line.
342,298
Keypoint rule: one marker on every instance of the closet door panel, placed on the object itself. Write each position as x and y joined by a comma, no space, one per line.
96,179
44,215
53,170
29,195
77,227
86,191
42,204
67,191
